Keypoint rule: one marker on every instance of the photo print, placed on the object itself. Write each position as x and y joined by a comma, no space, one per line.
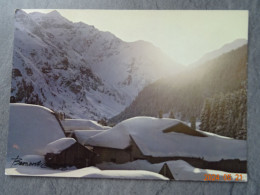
129,94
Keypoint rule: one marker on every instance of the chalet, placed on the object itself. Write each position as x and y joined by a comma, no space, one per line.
160,140
67,152
118,155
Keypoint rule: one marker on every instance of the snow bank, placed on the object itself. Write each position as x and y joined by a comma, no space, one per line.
59,145
82,124
147,133
140,169
184,171
47,172
31,128
123,174
88,172
83,135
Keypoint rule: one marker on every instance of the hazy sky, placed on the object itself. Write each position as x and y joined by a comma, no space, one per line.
183,35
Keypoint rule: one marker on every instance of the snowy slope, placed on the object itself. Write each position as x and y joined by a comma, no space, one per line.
31,128
148,134
79,70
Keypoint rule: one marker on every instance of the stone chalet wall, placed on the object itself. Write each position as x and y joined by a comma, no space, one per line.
112,155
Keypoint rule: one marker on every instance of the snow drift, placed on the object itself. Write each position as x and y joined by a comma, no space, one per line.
31,128
88,172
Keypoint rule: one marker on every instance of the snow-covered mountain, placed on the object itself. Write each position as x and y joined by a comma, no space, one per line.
77,69
224,49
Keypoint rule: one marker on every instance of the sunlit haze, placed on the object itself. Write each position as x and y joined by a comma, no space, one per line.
183,35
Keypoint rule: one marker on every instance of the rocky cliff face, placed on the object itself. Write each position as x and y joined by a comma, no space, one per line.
79,70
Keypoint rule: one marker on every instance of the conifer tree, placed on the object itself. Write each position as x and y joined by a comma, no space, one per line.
214,114
205,116
221,122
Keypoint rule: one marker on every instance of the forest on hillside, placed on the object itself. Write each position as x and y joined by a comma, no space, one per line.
225,114
186,93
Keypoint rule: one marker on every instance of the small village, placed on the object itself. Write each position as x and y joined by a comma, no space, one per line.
158,142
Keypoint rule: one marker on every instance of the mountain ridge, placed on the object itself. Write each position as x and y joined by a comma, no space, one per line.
77,69
184,94
222,50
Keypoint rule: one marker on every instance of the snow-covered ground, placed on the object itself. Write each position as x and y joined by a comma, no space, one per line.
31,128
147,132
184,171
180,170
37,168
140,169
88,172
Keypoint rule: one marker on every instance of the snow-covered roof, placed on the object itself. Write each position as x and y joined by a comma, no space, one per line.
31,128
83,135
59,145
147,133
118,137
82,124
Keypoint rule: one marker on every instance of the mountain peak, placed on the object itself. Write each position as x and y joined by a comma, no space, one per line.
20,13
54,13
234,44
75,65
